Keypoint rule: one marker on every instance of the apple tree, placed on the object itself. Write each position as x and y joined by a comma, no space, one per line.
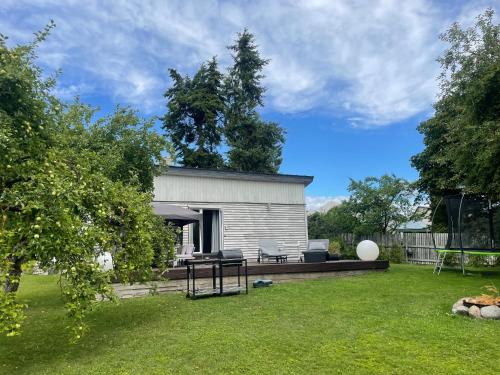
65,199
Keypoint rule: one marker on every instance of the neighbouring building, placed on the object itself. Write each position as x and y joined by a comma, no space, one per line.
238,208
422,225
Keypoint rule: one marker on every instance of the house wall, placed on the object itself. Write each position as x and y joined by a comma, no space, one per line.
172,188
251,210
243,224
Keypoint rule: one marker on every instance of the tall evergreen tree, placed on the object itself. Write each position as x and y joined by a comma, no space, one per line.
194,120
254,145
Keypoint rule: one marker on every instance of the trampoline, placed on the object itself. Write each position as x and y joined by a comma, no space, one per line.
473,228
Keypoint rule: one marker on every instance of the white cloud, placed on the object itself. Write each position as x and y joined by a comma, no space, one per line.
369,60
323,203
69,92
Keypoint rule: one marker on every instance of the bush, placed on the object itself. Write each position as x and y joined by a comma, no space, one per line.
29,266
347,251
393,254
334,247
483,261
163,243
477,261
452,260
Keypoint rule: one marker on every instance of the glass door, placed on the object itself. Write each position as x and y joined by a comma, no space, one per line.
206,235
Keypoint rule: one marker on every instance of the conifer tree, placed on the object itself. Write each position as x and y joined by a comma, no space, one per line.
194,120
254,145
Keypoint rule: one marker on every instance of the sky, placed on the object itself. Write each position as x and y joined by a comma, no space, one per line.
348,80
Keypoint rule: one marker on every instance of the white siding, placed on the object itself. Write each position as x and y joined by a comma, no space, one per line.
174,188
250,210
245,223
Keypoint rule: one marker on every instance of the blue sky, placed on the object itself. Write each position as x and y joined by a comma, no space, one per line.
348,80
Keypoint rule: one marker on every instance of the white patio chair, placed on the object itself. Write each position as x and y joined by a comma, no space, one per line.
186,254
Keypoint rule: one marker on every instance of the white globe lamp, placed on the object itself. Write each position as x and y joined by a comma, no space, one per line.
367,250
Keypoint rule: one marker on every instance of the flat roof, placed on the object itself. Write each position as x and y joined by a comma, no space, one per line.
233,175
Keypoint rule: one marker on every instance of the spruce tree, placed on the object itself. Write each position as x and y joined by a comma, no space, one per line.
254,145
194,120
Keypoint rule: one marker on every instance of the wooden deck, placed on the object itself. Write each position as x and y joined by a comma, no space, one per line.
179,273
279,273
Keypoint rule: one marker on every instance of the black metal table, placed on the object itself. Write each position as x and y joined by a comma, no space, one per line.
218,266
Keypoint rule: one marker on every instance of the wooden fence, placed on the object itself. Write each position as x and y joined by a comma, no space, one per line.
419,247
416,247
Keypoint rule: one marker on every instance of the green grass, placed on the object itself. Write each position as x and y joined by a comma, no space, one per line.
395,322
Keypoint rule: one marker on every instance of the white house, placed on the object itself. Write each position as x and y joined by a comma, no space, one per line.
238,208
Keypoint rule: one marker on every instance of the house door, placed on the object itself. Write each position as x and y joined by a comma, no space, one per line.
206,235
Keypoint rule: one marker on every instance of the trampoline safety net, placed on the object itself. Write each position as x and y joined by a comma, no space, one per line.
473,223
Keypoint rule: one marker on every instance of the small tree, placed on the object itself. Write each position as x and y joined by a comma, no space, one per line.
338,220
380,205
376,205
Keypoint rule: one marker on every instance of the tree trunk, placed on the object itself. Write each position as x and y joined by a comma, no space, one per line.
12,281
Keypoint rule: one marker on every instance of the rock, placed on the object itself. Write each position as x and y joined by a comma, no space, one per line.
475,312
460,302
460,310
490,312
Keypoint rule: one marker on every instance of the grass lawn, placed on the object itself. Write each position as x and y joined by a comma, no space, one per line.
395,322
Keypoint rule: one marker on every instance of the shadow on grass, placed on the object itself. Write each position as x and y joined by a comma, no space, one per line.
45,339
283,319
478,272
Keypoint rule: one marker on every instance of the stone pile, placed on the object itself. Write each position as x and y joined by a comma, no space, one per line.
486,312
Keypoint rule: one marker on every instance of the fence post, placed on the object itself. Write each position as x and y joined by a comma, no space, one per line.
406,246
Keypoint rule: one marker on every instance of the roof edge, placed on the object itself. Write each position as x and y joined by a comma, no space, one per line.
235,175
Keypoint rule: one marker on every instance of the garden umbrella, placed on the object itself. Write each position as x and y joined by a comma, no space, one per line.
178,215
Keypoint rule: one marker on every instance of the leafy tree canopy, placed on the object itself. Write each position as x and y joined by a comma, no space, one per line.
338,220
130,150
380,205
69,190
376,205
462,139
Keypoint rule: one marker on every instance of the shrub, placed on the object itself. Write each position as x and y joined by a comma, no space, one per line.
163,243
398,254
334,247
477,261
347,251
393,254
29,266
452,260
